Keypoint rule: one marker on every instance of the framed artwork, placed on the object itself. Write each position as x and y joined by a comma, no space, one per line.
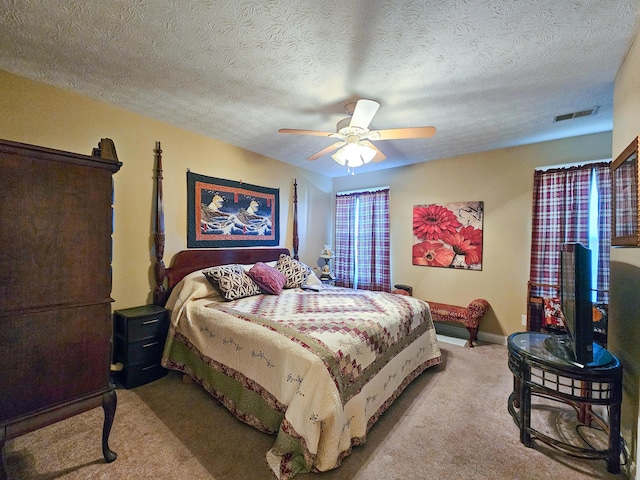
625,226
448,235
226,213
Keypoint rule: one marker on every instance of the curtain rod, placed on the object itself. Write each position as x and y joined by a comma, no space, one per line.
370,189
574,164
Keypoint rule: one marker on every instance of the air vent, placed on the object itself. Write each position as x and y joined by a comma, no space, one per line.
581,113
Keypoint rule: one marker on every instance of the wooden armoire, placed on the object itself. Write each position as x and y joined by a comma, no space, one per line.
55,287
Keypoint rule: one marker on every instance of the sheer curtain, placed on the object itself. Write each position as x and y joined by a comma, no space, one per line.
561,214
603,177
362,247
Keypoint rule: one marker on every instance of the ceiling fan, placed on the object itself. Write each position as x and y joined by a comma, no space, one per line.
355,147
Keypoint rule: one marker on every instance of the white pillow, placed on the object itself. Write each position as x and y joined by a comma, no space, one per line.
248,266
313,279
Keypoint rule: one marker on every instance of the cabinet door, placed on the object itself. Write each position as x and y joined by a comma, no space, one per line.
55,233
57,356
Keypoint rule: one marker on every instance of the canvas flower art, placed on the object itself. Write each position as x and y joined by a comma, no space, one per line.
448,235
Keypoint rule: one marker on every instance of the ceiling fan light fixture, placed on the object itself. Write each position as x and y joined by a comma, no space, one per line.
354,147
354,155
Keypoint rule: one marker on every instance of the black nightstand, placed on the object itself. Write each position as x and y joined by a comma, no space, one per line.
139,336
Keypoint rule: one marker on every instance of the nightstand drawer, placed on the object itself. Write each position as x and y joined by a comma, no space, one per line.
139,323
149,350
137,375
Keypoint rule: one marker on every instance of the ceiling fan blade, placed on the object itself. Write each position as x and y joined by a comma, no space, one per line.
363,113
401,133
379,156
306,132
327,150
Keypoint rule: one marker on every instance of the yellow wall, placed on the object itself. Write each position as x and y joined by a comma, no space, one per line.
43,115
624,309
503,180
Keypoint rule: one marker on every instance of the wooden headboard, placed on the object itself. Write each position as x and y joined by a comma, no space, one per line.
187,261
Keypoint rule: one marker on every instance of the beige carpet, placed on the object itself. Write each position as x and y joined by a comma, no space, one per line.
451,423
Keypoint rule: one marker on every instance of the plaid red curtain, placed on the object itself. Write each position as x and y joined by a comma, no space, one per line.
362,247
344,245
626,216
561,214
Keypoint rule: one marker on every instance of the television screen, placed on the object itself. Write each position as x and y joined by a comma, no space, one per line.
575,298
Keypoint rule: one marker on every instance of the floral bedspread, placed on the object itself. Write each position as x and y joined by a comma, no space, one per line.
330,361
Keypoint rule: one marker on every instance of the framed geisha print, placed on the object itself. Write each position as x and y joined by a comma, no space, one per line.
227,213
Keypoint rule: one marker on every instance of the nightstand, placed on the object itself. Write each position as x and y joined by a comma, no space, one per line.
139,336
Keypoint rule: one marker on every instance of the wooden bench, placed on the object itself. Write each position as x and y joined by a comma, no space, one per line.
470,316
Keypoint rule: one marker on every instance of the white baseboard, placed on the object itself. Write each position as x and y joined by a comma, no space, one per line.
461,332
460,342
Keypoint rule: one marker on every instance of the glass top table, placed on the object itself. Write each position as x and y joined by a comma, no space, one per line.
542,365
555,350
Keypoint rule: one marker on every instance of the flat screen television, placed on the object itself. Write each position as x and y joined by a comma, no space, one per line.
575,300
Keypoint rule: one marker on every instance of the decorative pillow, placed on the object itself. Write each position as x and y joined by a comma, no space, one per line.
295,271
231,281
269,279
600,318
552,316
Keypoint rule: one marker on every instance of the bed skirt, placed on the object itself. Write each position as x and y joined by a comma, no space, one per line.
254,405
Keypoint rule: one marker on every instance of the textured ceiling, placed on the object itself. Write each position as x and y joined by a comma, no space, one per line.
487,74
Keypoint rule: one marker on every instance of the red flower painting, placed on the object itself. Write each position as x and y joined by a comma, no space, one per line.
448,235
432,222
433,254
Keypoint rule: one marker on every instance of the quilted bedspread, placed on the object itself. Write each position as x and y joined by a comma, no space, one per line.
315,368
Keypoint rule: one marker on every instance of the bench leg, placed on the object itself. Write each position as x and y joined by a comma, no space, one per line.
473,335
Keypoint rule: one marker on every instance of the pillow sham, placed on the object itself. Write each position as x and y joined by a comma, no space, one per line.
269,279
232,281
295,271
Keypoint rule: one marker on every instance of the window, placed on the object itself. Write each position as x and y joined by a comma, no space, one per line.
362,240
571,205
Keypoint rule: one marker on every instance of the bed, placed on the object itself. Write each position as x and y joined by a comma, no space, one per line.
313,364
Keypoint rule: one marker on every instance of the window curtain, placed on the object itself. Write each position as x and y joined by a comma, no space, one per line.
362,247
345,249
561,214
603,177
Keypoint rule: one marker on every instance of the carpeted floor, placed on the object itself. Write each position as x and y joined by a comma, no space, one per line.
450,423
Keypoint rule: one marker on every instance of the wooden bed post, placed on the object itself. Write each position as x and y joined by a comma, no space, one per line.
159,296
295,219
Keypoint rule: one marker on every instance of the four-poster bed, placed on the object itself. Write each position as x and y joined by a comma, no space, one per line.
316,367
